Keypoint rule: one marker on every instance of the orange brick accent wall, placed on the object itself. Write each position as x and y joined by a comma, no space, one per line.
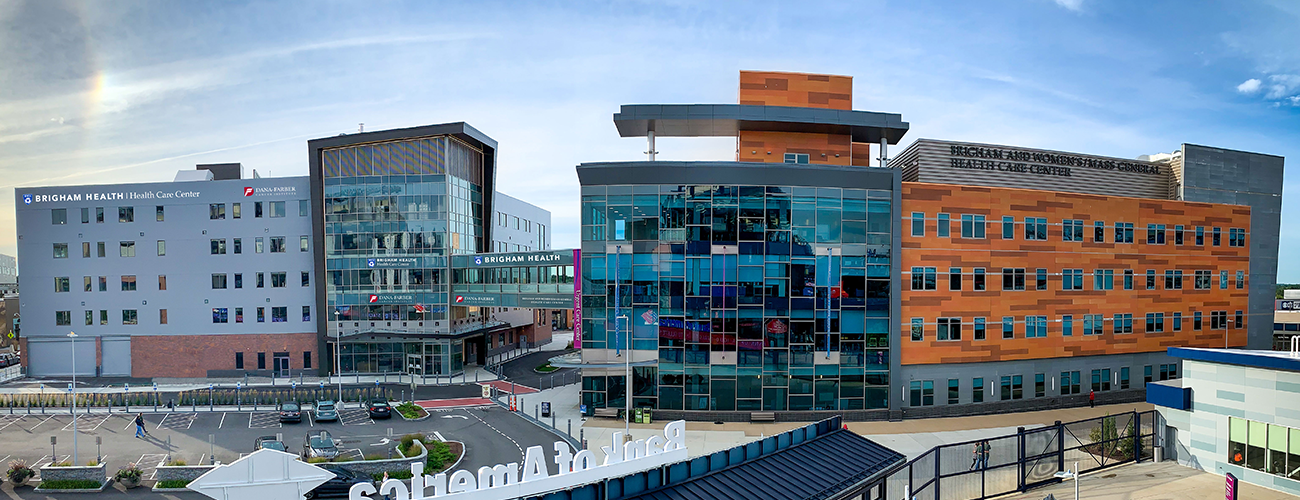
774,88
1054,254
754,146
193,355
861,155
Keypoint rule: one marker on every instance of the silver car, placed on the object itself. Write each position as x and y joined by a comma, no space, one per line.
325,411
319,446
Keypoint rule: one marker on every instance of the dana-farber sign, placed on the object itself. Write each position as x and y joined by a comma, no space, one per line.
504,481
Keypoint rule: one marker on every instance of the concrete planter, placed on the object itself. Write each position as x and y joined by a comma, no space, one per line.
181,472
79,472
366,468
426,415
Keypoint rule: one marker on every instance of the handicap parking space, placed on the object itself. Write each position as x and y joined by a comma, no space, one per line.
86,423
177,421
355,416
206,420
264,420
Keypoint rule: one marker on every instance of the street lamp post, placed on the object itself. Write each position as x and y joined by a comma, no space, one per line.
1074,474
73,389
338,356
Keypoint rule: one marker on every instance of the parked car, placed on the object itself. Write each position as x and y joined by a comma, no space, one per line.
269,442
338,485
325,411
319,445
379,408
290,412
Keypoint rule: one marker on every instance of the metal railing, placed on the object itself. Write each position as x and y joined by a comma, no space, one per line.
987,468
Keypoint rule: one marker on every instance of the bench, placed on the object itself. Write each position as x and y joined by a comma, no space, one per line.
762,416
607,412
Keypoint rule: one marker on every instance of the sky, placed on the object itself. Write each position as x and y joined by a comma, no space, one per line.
132,91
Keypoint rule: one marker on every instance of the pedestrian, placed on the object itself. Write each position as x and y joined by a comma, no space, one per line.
975,456
381,485
984,454
139,426
1092,399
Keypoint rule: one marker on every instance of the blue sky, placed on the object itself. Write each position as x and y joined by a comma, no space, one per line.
106,92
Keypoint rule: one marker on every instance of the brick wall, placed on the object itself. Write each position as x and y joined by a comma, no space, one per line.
194,355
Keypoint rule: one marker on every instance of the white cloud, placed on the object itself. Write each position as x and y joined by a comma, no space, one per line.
1074,5
1249,86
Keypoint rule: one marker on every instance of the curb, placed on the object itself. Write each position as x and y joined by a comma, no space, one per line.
552,372
107,483
156,489
463,451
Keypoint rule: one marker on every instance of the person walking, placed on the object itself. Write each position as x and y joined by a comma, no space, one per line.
975,455
984,454
1092,399
140,432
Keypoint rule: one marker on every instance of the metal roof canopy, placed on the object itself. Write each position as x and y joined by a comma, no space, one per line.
727,120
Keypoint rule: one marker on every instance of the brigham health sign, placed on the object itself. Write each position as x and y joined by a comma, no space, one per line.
503,481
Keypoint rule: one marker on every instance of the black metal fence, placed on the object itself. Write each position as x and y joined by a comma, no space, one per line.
237,396
986,468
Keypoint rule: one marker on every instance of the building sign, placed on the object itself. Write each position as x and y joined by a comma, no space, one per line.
513,259
475,299
544,301
577,299
390,298
271,191
393,262
1038,162
505,481
1229,486
29,199
1286,305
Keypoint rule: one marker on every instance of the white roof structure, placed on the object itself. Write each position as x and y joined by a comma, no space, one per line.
265,473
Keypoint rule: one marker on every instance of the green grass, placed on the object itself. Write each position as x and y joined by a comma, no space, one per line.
392,474
173,483
546,368
70,484
411,410
317,460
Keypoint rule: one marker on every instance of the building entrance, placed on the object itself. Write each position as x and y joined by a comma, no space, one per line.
280,363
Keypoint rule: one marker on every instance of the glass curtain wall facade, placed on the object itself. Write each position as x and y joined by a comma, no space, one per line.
393,212
758,298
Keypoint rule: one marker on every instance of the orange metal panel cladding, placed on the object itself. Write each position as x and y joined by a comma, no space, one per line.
755,146
994,253
804,90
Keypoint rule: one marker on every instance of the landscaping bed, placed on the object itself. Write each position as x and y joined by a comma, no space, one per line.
172,484
441,455
411,411
545,368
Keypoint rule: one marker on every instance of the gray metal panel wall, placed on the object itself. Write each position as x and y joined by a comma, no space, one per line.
933,164
1225,176
117,357
739,173
53,357
511,236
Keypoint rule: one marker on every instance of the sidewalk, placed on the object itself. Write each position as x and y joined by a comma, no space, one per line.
1150,481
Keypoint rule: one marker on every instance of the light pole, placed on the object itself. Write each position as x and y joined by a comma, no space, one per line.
1071,475
627,360
338,357
73,389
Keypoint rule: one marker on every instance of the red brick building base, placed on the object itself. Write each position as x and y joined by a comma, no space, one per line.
192,356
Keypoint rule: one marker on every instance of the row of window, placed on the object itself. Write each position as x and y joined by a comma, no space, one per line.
216,211
1016,279
218,245
1012,387
261,360
950,329
1264,447
219,282
1035,229
279,314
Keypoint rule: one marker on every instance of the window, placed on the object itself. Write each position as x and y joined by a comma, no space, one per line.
85,249
277,244
306,278
1218,320
128,283
62,284
239,315
954,278
949,329
257,247
1008,323
85,215
302,244
99,249
1223,280
219,281
127,248
257,209
918,329
1123,232
1103,279
1237,320
90,318
158,213
103,317
1241,280
261,283
1072,230
1196,320
162,282
279,314
1040,385
261,361
99,215
924,278
59,216
1123,378
1216,236
1202,280
1072,279
126,214
1200,236
1178,235
304,209
306,359
1128,279
86,284
1008,228
1094,324
954,391
162,248
60,250
239,280
129,317
277,209
1099,232
103,283
1155,322
1067,326
1013,278
1040,279
1173,280
261,315
216,211
1070,383
972,226
1155,234
234,211
239,361
979,279
1012,387
63,318
943,225
306,313
1146,374
922,392
1236,237
239,245
1035,327
979,329
278,280
793,158
918,223
218,246
1036,228
1151,279
977,390
1178,321
1123,323
219,315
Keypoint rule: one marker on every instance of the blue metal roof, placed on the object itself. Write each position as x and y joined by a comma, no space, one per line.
1274,360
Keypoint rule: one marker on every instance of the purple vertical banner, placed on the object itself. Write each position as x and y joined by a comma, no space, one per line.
577,298
1230,486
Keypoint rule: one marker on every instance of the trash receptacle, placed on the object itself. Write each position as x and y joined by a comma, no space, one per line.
647,416
640,418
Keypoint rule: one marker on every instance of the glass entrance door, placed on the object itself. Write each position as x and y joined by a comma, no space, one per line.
281,364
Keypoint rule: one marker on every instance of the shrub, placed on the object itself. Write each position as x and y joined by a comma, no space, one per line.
392,474
410,410
317,460
65,463
131,471
1106,439
19,471
546,368
92,463
70,484
175,463
174,483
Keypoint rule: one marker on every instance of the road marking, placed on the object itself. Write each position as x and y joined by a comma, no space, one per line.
355,416
149,463
201,457
47,419
93,420
498,431
223,420
9,420
178,421
439,436
455,416
2,460
310,421
160,422
264,420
